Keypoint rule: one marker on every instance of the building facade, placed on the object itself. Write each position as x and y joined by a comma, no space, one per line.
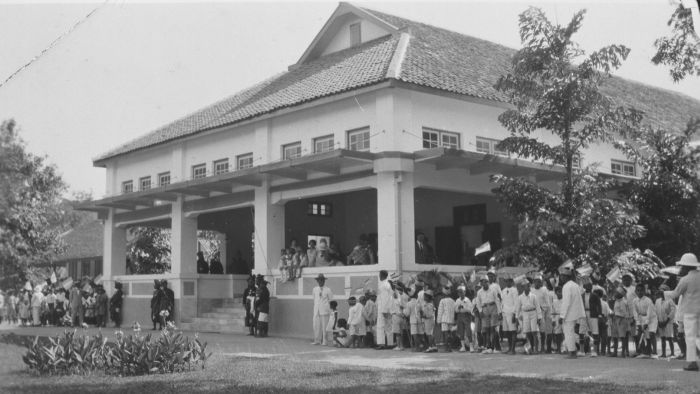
384,127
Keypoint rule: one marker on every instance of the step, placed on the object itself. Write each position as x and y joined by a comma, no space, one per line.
220,315
226,322
228,310
213,328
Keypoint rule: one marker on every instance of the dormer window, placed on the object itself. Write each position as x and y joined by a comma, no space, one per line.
355,34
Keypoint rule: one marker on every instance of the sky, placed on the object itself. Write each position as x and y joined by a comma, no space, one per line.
131,67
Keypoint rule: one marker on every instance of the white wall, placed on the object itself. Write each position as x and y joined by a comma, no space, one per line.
471,120
368,32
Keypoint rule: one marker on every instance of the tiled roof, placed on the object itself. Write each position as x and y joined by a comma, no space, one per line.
83,241
345,70
435,58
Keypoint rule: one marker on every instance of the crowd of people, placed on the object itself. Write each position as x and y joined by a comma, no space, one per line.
566,313
324,254
81,304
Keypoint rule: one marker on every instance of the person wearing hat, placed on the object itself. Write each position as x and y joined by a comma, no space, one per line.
509,324
529,312
115,304
489,306
463,309
369,311
385,295
689,288
665,312
154,303
427,311
322,295
262,306
544,299
572,309
446,317
495,287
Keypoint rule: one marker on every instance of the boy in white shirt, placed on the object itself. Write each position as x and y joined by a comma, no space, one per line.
530,314
356,322
446,318
509,324
463,311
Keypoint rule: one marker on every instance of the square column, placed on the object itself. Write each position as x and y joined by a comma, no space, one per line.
269,230
114,252
183,241
395,213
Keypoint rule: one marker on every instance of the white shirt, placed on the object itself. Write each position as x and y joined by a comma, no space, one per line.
543,298
384,296
510,299
322,299
572,302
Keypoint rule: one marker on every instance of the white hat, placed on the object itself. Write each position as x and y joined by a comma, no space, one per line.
484,277
461,287
492,270
689,260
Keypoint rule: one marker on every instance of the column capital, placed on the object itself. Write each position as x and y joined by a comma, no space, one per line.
393,164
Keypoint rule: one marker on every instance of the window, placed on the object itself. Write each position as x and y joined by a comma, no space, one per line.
145,183
291,151
127,187
319,209
220,166
433,138
164,179
488,145
244,161
355,34
199,171
623,168
85,268
358,140
323,144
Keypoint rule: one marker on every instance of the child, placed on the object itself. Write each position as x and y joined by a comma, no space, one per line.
340,334
646,320
601,348
356,322
463,309
427,311
285,265
24,311
530,314
396,309
665,311
332,322
299,260
446,318
556,313
412,311
622,316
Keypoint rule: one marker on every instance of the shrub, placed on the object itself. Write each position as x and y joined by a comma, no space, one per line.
132,354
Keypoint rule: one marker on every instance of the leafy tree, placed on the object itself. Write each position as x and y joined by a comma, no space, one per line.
148,249
553,95
668,193
30,198
681,50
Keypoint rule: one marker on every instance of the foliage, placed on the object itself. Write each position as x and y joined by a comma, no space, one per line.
552,94
681,50
30,206
644,266
668,193
149,250
129,355
594,232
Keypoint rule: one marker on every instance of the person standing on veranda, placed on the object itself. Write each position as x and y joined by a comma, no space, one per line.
571,307
689,288
385,338
322,310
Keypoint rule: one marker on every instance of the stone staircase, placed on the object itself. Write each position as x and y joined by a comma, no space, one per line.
224,316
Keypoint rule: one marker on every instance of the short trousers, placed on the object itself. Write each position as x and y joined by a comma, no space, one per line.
530,322
396,323
417,329
620,327
429,326
508,324
446,326
546,324
587,325
489,317
464,326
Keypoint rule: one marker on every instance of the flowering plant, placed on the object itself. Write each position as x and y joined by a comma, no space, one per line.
164,313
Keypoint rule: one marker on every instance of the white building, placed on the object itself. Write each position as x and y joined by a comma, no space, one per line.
384,127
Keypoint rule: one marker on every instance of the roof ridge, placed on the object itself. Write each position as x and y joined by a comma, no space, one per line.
394,69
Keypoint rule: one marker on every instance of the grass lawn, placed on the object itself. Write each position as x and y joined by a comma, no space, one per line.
232,374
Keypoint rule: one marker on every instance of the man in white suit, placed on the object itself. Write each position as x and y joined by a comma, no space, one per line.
571,307
322,310
385,337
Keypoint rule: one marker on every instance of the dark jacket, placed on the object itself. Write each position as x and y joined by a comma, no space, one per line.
594,305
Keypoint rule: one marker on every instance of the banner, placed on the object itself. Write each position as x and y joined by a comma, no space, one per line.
482,249
614,275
